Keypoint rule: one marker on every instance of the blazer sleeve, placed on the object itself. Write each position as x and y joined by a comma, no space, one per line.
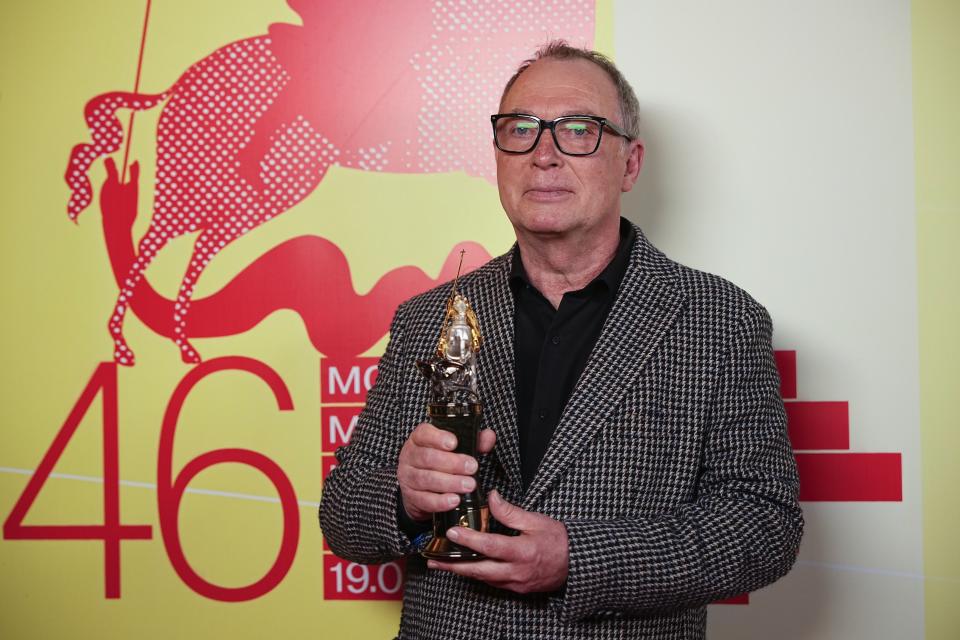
358,508
741,532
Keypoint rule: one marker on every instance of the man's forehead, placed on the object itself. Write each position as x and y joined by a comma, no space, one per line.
573,85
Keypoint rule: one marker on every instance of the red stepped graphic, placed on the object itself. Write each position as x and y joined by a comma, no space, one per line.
820,435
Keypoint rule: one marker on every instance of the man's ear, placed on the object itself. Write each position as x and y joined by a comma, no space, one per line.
633,164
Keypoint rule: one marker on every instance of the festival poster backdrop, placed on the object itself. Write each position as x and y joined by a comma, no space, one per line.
212,211
221,209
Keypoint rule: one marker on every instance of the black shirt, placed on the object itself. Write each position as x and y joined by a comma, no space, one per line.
551,347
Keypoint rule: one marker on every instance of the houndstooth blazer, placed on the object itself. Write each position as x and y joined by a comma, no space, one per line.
670,466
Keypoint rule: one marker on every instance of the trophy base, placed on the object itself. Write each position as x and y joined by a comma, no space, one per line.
442,548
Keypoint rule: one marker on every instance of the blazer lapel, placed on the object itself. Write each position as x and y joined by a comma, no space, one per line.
647,305
496,385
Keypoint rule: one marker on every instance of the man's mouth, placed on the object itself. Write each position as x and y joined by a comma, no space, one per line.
547,194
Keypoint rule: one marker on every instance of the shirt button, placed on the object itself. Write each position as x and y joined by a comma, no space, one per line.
555,340
543,413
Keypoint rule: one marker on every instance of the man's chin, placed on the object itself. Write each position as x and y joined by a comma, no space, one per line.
548,228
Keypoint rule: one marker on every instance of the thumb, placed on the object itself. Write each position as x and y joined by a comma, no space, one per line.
486,440
134,171
508,514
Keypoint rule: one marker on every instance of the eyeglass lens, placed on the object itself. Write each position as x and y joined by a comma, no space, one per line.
575,136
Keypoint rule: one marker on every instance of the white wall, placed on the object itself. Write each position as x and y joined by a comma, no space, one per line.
780,155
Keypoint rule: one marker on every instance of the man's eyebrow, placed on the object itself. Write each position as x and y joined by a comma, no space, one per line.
568,112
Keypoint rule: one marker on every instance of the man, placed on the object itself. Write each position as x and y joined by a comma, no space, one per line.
636,437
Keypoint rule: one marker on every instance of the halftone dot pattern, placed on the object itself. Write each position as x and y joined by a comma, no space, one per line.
106,134
209,118
238,143
476,47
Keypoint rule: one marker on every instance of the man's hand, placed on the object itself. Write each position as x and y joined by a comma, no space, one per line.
431,475
536,560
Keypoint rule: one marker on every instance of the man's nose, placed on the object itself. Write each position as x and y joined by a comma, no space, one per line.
546,154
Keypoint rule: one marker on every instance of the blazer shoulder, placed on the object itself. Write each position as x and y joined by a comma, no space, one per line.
705,292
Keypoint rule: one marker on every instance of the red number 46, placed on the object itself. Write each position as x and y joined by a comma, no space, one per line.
170,490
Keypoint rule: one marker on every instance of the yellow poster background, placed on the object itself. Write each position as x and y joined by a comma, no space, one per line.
936,92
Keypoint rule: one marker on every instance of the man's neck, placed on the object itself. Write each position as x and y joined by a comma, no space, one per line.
558,264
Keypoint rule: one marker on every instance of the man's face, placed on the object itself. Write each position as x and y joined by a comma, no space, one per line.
545,192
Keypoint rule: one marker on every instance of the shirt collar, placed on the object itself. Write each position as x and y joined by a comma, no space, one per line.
611,275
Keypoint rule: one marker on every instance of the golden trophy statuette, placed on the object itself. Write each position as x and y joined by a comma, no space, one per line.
454,406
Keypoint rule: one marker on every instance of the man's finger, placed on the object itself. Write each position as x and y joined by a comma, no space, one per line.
134,171
111,168
489,571
430,502
508,514
486,441
436,460
427,435
439,482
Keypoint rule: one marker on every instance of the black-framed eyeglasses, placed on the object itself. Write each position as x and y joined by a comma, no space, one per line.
577,135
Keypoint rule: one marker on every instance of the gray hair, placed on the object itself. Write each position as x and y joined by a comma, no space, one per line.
560,50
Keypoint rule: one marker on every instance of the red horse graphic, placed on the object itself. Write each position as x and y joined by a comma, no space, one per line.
340,323
249,131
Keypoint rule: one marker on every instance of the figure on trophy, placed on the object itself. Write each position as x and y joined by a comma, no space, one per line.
455,406
453,370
